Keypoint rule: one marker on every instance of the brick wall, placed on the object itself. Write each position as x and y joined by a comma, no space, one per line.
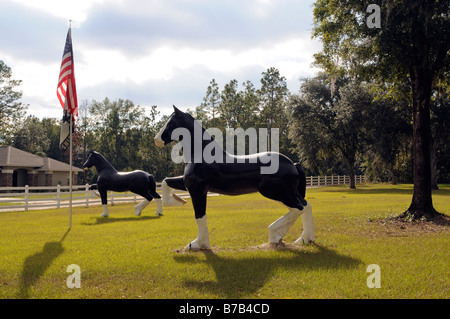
6,178
32,178
48,179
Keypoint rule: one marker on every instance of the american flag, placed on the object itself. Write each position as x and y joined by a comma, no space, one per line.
66,90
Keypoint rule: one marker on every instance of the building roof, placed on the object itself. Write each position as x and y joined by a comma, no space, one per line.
13,157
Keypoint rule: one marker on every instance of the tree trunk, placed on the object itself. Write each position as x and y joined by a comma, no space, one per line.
423,68
351,170
434,179
422,204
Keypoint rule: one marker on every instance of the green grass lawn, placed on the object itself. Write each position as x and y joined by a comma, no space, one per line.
124,256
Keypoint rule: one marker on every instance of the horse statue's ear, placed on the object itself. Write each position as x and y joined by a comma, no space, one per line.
177,111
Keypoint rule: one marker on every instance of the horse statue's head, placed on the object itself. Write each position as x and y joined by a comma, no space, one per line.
90,160
176,120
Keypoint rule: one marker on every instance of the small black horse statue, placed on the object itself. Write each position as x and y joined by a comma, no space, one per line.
138,182
234,175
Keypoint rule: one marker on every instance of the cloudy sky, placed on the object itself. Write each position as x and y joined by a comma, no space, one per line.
153,52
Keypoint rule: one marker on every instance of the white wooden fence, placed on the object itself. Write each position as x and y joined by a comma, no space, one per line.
50,197
316,181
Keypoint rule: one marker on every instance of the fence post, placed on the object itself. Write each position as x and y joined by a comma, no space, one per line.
26,197
58,196
87,194
112,198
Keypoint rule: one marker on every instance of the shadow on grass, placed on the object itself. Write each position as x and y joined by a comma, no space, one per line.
238,277
35,265
108,220
383,189
372,190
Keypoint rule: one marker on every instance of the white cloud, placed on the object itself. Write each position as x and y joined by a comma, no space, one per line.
76,10
39,81
147,50
95,66
292,57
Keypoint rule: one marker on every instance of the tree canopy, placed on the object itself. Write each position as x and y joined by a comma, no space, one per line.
410,43
12,111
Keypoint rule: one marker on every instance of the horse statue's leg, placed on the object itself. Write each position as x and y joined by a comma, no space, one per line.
281,226
202,240
103,195
94,189
308,226
288,193
159,211
147,189
105,211
169,198
147,199
139,207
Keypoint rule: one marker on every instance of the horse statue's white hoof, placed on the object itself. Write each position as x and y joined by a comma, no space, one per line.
105,211
159,211
275,239
196,244
303,240
180,201
174,201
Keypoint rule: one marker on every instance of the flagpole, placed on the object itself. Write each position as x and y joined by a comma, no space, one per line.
67,95
71,174
70,160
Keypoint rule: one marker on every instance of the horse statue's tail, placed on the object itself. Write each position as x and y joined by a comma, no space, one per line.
152,186
301,182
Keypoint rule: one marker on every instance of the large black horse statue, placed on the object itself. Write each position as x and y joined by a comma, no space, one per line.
233,175
138,182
